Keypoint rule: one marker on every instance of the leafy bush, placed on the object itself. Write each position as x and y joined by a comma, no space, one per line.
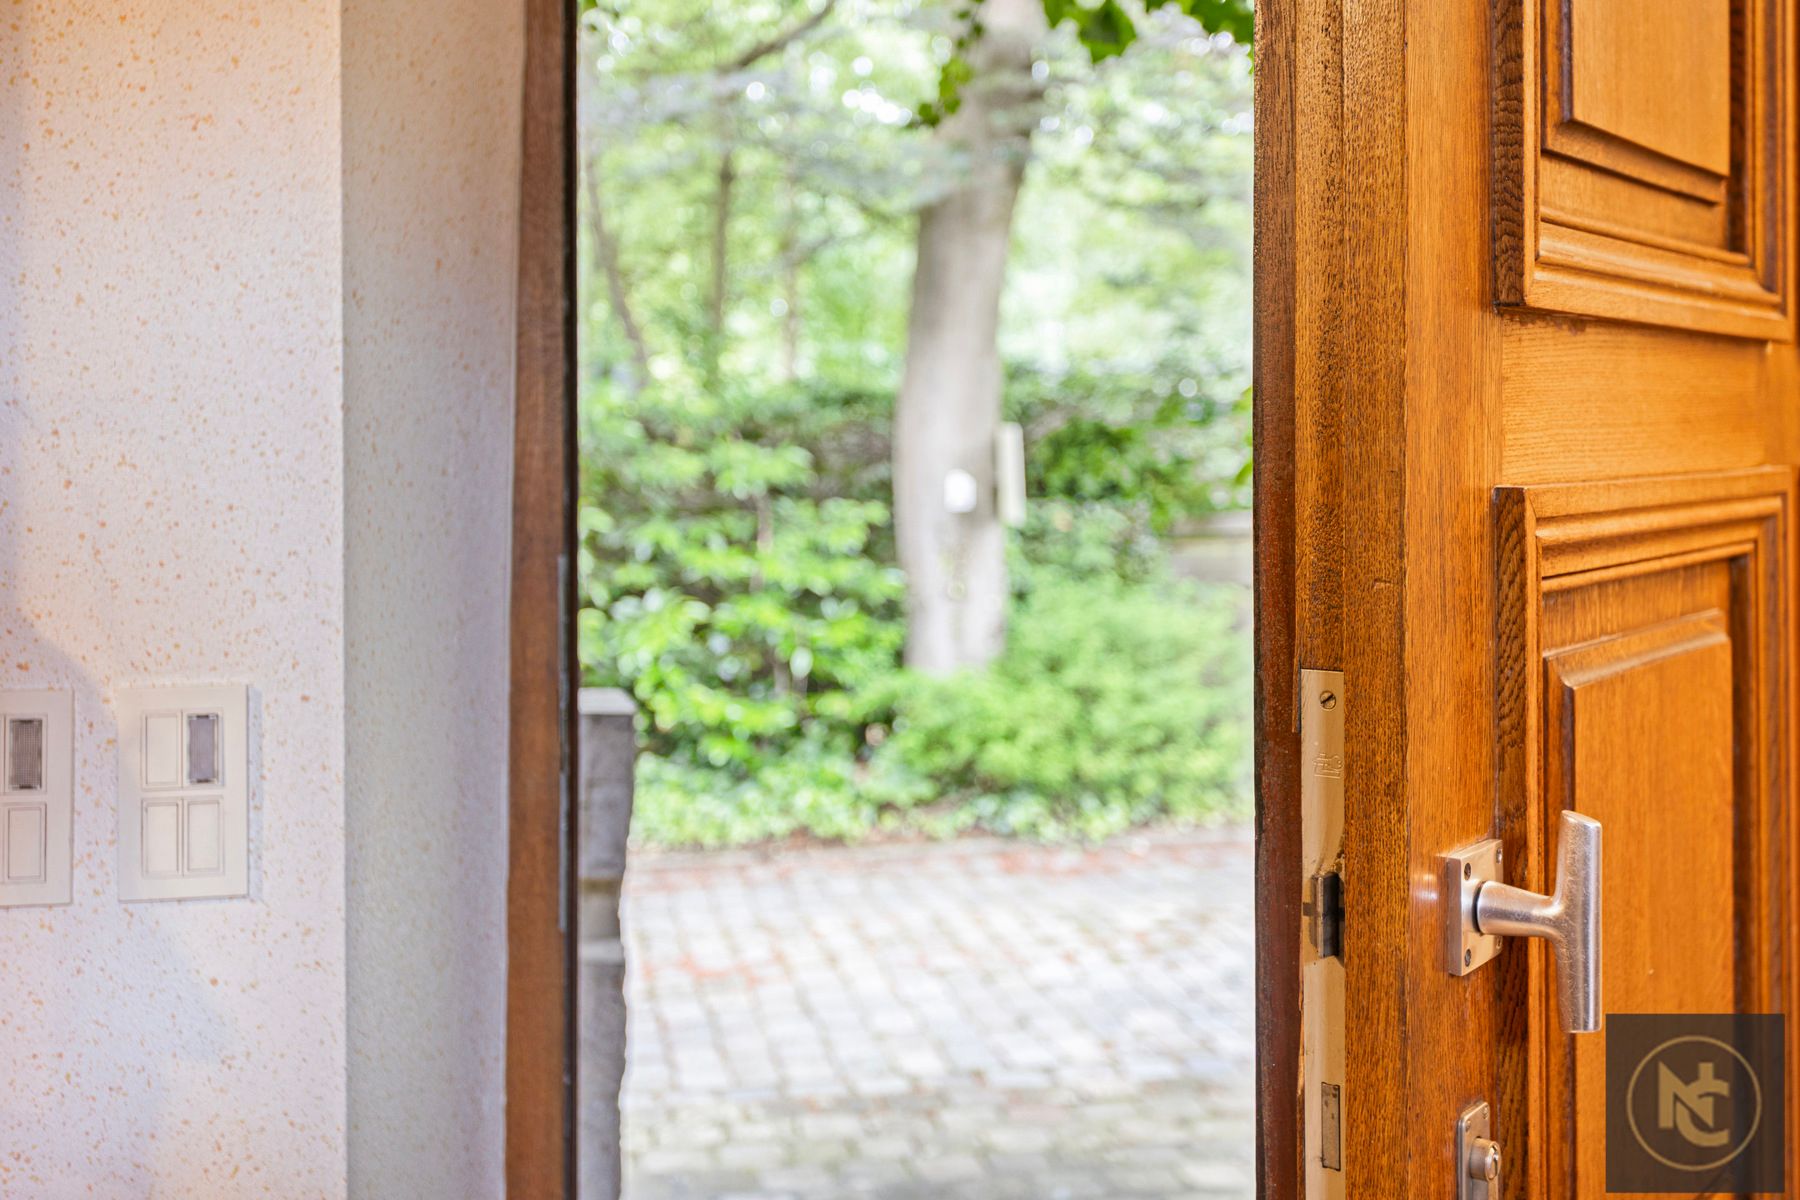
815,788
1168,443
737,572
1116,702
737,562
1072,539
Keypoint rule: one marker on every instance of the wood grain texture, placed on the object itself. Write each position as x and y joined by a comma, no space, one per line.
1435,505
1589,400
1642,741
1278,849
1374,531
1645,641
1654,75
540,912
1299,315
1451,399
1641,165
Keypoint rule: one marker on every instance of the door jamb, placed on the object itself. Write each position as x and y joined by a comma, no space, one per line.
540,903
1301,542
1277,740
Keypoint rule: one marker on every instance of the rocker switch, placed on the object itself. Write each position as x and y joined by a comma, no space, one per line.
162,750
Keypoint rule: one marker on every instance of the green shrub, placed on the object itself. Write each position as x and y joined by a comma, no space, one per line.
815,788
737,564
1072,539
1115,703
737,571
1166,443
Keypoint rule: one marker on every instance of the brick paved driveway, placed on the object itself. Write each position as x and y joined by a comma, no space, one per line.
977,1019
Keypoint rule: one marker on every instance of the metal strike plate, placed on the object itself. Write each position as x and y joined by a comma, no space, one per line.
1463,872
1477,1155
1319,937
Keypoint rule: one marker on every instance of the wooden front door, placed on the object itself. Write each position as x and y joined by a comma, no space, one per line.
1528,419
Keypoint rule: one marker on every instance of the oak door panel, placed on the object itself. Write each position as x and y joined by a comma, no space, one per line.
1644,642
1657,77
1639,736
1640,161
1603,401
1524,305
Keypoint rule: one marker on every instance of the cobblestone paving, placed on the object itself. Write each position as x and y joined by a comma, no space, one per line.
978,1019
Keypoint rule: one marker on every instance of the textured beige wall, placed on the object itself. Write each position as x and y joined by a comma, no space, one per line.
244,365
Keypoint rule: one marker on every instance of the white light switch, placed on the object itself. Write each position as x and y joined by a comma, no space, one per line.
162,749
184,792
161,831
37,796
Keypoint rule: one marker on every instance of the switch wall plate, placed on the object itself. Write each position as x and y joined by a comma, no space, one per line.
184,792
37,796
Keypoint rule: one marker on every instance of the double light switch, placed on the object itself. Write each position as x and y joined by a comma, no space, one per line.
184,813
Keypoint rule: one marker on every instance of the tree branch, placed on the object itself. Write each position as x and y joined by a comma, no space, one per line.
782,40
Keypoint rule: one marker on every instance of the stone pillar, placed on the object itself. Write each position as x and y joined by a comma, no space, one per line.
604,787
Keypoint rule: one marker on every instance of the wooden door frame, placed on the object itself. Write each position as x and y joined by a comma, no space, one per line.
1375,372
1276,732
1297,102
540,903
541,1033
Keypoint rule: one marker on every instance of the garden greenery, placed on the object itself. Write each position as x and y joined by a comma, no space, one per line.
737,561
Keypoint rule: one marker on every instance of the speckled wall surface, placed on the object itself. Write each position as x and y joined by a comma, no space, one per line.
184,477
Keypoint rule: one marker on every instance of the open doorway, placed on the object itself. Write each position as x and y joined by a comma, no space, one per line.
914,411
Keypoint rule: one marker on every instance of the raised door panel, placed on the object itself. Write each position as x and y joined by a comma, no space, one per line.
1640,155
1639,736
1644,642
1655,76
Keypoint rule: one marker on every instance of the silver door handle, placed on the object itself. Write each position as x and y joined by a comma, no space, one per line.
1568,918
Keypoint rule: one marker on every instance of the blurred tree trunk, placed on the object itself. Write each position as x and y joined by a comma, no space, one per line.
792,259
606,256
716,300
948,411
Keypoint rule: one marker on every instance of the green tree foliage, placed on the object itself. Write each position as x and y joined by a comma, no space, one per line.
1106,28
1147,441
749,175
